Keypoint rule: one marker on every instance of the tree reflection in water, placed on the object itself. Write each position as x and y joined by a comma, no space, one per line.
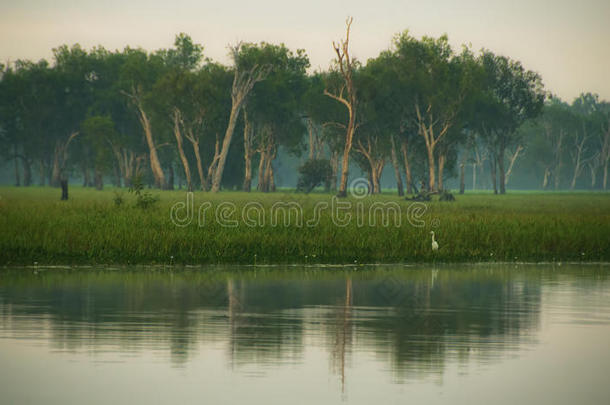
413,320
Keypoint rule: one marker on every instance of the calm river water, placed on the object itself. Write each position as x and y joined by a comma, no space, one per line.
469,334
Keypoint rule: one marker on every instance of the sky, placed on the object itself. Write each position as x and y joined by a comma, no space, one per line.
567,42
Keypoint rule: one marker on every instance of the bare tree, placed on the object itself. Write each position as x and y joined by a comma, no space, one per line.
346,96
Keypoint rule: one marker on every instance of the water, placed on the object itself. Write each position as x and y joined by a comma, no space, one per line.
384,334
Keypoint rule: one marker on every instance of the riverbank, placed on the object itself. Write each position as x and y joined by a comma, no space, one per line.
256,228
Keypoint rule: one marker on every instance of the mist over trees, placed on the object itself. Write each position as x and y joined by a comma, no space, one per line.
174,118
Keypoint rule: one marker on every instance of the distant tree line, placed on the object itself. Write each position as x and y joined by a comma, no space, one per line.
173,116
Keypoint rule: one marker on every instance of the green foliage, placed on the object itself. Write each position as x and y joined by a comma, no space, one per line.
314,173
99,134
483,101
510,95
275,104
118,199
144,199
186,55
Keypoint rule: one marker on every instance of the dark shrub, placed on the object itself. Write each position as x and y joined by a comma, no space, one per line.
314,173
421,196
144,199
446,195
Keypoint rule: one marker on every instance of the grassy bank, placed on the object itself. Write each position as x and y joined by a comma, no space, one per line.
89,228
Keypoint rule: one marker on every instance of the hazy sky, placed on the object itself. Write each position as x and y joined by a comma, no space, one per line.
567,42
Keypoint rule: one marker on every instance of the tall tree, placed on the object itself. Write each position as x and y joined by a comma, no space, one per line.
438,82
243,83
139,72
324,116
178,102
345,93
274,109
383,112
510,96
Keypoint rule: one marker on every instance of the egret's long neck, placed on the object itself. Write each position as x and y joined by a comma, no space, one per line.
433,237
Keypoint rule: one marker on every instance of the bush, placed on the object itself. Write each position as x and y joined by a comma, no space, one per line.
421,196
446,195
314,173
118,198
144,199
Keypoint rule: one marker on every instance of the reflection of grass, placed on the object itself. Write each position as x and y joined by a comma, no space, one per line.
89,228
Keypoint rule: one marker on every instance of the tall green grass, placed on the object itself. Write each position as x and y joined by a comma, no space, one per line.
87,229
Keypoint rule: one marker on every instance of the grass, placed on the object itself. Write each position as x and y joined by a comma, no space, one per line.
90,229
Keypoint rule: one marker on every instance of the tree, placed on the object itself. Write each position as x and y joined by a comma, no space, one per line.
243,82
557,120
111,118
12,114
139,72
438,82
382,113
323,116
346,95
587,144
372,141
186,56
177,97
510,96
274,108
193,105
74,91
99,132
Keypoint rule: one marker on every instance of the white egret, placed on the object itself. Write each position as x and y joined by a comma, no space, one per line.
434,242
